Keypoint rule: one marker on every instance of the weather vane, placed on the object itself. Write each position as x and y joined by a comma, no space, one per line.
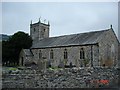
44,20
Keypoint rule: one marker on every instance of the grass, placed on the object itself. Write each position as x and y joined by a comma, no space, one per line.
12,69
9,68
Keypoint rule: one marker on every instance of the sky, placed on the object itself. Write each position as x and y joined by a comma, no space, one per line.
64,17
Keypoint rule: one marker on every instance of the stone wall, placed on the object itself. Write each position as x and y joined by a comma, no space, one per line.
0,76
27,59
73,55
62,78
108,49
39,31
119,56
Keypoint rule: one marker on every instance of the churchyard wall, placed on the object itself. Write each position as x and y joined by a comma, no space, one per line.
62,78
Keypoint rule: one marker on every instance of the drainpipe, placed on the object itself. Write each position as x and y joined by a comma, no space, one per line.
91,55
98,55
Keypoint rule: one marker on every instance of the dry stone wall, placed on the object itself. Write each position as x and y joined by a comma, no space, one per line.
62,78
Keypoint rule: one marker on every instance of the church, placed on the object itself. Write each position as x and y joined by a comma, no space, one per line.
89,49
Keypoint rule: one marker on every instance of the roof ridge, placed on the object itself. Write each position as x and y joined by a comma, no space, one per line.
79,33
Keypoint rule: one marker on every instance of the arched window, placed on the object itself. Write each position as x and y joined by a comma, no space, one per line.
51,54
65,54
82,53
22,61
40,54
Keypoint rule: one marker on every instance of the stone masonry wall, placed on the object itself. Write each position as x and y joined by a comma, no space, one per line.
62,78
73,55
108,43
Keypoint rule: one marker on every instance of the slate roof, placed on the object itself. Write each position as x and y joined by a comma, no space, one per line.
70,40
27,52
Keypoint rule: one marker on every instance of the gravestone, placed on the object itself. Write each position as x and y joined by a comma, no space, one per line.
42,64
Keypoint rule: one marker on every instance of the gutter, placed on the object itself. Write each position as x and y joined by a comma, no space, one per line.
64,46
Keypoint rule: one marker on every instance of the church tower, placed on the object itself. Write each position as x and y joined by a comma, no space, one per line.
39,31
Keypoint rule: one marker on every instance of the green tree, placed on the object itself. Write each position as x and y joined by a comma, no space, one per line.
21,40
12,47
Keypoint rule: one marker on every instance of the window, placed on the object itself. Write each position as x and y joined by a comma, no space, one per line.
44,30
82,54
22,61
34,29
40,54
51,54
65,54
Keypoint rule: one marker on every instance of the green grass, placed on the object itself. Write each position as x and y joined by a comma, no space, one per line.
12,69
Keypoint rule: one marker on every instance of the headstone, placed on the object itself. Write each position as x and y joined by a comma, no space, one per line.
71,65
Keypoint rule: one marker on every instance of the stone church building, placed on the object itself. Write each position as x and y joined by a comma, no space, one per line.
89,49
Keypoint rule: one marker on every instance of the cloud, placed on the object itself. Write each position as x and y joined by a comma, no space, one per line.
64,17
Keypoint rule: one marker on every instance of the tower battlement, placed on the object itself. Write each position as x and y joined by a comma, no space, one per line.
39,30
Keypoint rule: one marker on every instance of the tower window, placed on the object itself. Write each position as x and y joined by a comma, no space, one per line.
82,54
34,29
40,54
51,54
65,54
44,30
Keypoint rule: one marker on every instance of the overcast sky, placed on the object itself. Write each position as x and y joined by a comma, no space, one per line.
65,17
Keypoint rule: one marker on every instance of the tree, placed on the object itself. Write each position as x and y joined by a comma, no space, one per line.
12,47
21,40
